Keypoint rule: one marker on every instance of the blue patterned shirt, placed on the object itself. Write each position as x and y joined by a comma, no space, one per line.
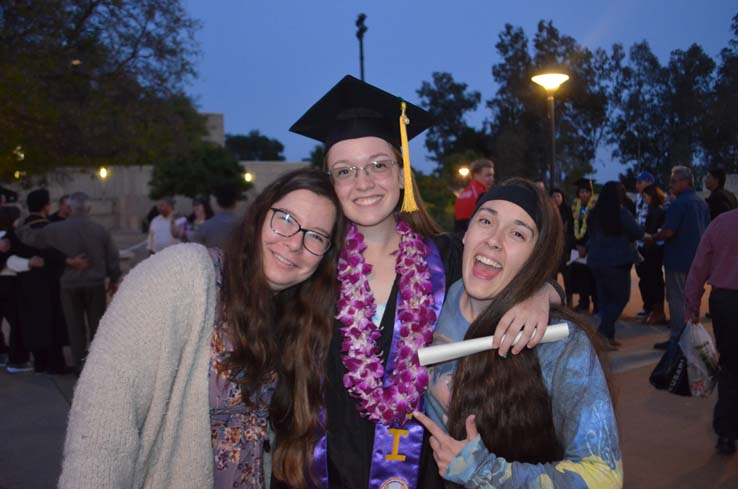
582,410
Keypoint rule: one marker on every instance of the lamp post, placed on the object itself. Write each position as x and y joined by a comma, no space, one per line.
360,30
551,82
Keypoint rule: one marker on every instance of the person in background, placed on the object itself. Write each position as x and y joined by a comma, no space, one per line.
482,178
719,200
715,262
177,388
83,292
582,281
14,356
686,219
567,220
651,268
63,210
160,229
611,253
628,203
201,212
643,180
544,418
45,330
214,232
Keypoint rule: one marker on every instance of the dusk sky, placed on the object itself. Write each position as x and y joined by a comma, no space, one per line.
263,63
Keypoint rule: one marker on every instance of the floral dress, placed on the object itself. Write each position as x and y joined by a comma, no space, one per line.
238,432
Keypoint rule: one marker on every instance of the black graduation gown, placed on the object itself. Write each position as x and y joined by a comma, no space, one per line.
350,436
40,302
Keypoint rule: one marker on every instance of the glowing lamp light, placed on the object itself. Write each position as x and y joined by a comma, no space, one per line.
248,177
103,173
550,81
19,154
18,174
464,171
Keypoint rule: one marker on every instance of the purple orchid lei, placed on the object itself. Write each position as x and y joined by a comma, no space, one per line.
356,306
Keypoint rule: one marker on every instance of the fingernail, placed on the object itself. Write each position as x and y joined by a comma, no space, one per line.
504,356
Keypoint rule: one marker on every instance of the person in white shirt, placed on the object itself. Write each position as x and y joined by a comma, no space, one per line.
160,229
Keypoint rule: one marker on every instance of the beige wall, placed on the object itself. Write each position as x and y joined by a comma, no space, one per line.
121,201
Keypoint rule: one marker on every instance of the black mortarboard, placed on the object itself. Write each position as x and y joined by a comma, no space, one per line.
585,183
355,109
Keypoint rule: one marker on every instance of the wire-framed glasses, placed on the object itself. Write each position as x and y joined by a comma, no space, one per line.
345,173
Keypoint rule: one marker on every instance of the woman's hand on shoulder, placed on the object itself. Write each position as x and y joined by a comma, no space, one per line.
529,317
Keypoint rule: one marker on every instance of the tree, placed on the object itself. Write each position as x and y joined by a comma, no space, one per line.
519,127
90,82
317,156
198,174
720,136
662,112
448,102
438,198
254,147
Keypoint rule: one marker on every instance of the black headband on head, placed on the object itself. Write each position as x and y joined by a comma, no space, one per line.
522,196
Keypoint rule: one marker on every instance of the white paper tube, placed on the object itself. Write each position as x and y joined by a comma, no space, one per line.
451,351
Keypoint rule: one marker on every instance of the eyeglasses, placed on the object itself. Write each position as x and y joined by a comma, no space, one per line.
344,174
283,224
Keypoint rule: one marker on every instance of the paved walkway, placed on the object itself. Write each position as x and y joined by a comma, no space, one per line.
667,440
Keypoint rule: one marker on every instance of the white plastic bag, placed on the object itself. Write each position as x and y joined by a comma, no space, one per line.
702,359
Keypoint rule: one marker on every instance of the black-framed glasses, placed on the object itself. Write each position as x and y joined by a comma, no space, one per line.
345,173
285,225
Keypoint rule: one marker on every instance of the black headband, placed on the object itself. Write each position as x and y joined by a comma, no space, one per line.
517,194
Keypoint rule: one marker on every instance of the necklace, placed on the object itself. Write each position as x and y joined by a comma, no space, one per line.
391,403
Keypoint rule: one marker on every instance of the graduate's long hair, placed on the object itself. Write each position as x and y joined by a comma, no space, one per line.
606,213
508,396
286,334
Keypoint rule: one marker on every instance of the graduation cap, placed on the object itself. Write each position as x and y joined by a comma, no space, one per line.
354,109
585,183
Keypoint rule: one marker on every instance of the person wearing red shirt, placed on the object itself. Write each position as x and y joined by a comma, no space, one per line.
483,177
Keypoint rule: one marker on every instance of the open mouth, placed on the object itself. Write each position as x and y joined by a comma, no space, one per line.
486,268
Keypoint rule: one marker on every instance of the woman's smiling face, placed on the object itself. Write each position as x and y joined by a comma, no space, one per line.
367,199
286,262
499,241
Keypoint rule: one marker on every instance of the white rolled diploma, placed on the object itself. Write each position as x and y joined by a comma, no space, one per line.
430,355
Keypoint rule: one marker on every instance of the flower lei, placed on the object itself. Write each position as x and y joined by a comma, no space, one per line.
580,221
356,306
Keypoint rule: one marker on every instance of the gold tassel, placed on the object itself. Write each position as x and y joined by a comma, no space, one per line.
408,202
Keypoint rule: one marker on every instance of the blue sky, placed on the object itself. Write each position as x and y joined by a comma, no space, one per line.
264,62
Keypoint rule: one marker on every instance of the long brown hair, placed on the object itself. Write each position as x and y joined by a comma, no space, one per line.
508,396
294,343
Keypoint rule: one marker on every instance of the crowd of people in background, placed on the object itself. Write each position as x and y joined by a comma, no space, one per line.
60,269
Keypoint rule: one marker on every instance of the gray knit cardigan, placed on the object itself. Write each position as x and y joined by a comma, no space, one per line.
140,416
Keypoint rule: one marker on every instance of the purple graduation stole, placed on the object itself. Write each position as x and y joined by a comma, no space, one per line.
396,454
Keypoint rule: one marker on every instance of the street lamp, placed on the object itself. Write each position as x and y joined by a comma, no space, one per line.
464,171
551,82
103,173
248,177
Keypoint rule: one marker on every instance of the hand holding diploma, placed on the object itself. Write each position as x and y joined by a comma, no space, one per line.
451,351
